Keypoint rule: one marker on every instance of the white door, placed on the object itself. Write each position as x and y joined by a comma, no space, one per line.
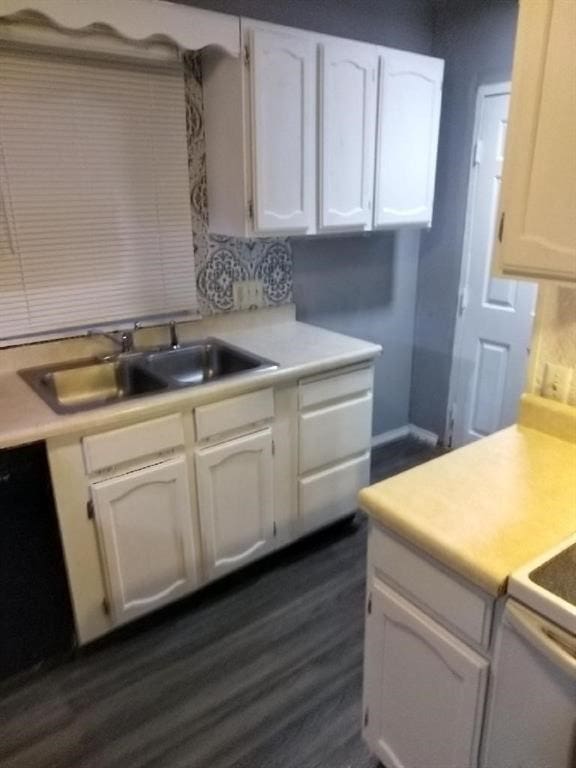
423,688
144,522
409,101
235,495
347,127
283,70
494,326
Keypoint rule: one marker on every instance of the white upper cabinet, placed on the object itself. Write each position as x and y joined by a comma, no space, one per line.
409,101
302,136
347,98
537,231
260,126
282,78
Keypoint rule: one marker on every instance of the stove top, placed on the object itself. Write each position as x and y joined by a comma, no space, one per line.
558,575
547,584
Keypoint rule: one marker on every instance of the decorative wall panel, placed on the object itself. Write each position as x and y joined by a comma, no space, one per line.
220,260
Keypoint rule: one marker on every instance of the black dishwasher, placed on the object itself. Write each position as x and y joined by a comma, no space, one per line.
36,622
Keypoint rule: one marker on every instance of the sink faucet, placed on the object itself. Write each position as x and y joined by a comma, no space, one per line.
125,342
174,343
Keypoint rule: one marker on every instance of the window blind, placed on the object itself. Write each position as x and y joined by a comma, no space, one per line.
95,221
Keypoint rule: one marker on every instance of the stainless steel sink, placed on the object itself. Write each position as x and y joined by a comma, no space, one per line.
86,384
205,361
91,383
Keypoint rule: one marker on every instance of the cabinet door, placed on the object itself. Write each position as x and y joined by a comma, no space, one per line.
283,131
145,530
235,494
423,689
347,134
538,232
409,100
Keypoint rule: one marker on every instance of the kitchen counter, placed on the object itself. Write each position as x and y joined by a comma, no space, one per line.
298,348
486,509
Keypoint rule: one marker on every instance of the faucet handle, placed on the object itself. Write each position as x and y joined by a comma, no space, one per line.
174,343
127,341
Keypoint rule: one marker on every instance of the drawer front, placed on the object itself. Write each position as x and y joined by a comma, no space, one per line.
331,493
335,387
120,446
233,414
442,594
334,433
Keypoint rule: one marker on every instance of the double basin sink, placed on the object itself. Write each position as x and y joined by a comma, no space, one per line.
85,384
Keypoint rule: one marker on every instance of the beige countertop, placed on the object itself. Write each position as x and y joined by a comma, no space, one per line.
486,509
298,348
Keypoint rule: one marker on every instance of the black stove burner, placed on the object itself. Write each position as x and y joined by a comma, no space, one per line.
558,575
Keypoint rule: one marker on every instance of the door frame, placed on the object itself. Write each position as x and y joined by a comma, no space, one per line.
484,91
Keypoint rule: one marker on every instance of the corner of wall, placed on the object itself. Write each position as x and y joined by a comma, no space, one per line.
554,336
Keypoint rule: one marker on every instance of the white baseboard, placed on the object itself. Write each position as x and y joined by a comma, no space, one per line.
408,430
424,435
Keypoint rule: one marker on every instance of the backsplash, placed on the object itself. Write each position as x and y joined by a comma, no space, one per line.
554,334
221,260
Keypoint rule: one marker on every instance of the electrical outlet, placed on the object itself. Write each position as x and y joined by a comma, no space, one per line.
556,382
248,294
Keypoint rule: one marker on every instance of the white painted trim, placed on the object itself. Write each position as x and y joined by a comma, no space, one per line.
489,89
408,430
188,28
424,435
390,436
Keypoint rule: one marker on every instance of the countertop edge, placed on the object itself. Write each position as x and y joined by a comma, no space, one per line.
113,416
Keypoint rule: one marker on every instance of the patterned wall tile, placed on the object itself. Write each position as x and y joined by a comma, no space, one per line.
221,260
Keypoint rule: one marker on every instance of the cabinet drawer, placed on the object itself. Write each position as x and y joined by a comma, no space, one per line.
131,443
235,413
334,433
341,385
442,594
331,493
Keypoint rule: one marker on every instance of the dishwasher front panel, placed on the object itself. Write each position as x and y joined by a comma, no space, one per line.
531,720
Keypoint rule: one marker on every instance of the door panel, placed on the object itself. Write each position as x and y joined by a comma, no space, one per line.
348,117
494,326
488,386
145,528
410,94
423,688
283,131
235,493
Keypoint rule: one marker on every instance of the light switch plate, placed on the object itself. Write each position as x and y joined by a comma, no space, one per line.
248,294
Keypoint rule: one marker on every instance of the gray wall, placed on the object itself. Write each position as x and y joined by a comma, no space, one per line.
476,39
357,284
366,287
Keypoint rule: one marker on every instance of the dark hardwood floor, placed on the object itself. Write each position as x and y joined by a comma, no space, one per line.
261,670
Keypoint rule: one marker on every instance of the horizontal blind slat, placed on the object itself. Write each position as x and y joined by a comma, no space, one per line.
97,174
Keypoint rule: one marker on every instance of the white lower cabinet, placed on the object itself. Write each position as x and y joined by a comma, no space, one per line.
144,524
423,688
326,495
236,501
334,436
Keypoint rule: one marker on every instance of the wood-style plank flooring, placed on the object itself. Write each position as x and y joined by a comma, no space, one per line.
261,670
